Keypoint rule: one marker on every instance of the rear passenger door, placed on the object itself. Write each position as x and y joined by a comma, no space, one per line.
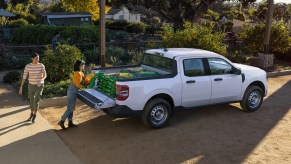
196,84
226,86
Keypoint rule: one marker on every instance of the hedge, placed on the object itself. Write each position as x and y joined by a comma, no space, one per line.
43,34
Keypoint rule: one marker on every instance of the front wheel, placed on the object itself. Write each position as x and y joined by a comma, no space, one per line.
253,99
157,113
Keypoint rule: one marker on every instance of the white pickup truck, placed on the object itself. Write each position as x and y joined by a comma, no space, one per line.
187,78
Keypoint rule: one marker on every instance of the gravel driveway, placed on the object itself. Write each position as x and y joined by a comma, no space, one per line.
219,134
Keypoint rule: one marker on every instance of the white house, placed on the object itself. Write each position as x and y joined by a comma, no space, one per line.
123,14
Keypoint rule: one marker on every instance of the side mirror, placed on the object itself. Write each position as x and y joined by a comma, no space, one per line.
236,71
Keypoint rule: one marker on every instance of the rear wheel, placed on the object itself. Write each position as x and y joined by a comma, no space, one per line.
253,99
157,113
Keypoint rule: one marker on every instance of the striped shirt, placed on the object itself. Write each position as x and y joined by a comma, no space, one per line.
35,73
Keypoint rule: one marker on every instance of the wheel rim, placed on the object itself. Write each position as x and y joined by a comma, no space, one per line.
254,99
159,114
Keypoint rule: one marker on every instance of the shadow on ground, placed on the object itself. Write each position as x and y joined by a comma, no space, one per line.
220,134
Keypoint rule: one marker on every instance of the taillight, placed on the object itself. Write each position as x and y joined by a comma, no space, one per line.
122,92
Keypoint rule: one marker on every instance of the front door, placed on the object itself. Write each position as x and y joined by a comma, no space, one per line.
196,84
226,86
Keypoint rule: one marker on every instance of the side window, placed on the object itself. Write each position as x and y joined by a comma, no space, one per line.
219,66
193,67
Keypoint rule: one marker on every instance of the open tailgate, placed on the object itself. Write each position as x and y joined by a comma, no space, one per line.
95,99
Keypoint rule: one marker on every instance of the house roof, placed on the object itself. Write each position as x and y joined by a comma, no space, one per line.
6,13
113,11
67,14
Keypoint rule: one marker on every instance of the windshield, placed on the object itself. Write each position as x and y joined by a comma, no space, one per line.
158,61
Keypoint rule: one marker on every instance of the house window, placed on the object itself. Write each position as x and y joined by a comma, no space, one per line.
120,17
82,19
86,19
136,17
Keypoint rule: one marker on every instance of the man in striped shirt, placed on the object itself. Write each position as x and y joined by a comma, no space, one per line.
36,74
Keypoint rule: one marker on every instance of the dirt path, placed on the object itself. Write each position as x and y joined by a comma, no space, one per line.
220,134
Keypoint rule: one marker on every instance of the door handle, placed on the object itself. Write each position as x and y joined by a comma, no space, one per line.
190,81
218,79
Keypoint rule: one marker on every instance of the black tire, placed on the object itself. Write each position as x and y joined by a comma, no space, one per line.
253,99
157,113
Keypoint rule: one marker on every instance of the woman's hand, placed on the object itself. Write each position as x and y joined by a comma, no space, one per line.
20,90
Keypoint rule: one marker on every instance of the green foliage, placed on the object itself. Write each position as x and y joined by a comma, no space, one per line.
56,89
241,16
50,90
194,36
280,42
42,34
237,57
31,19
12,76
92,56
135,56
212,15
136,28
117,25
153,29
115,55
60,64
18,22
13,62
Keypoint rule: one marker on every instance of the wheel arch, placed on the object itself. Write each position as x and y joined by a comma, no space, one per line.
163,96
259,84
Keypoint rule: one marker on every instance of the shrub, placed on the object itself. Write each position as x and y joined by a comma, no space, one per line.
18,22
237,57
241,16
135,28
13,62
92,56
12,76
50,89
60,64
280,42
152,29
56,89
43,34
115,55
117,25
31,19
194,36
135,56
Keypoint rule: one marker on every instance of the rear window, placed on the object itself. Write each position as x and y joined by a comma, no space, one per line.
158,61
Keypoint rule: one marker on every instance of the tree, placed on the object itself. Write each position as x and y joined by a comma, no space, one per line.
194,36
91,6
245,3
175,11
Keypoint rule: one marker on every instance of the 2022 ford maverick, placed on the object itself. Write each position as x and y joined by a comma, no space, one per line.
171,79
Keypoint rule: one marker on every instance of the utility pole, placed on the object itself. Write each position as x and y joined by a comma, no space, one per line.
102,31
266,59
268,26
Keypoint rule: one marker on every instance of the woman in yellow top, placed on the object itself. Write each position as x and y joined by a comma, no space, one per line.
72,94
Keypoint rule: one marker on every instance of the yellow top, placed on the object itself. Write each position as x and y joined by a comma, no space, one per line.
77,79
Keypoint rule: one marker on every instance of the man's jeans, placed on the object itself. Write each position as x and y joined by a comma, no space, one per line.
72,95
34,93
